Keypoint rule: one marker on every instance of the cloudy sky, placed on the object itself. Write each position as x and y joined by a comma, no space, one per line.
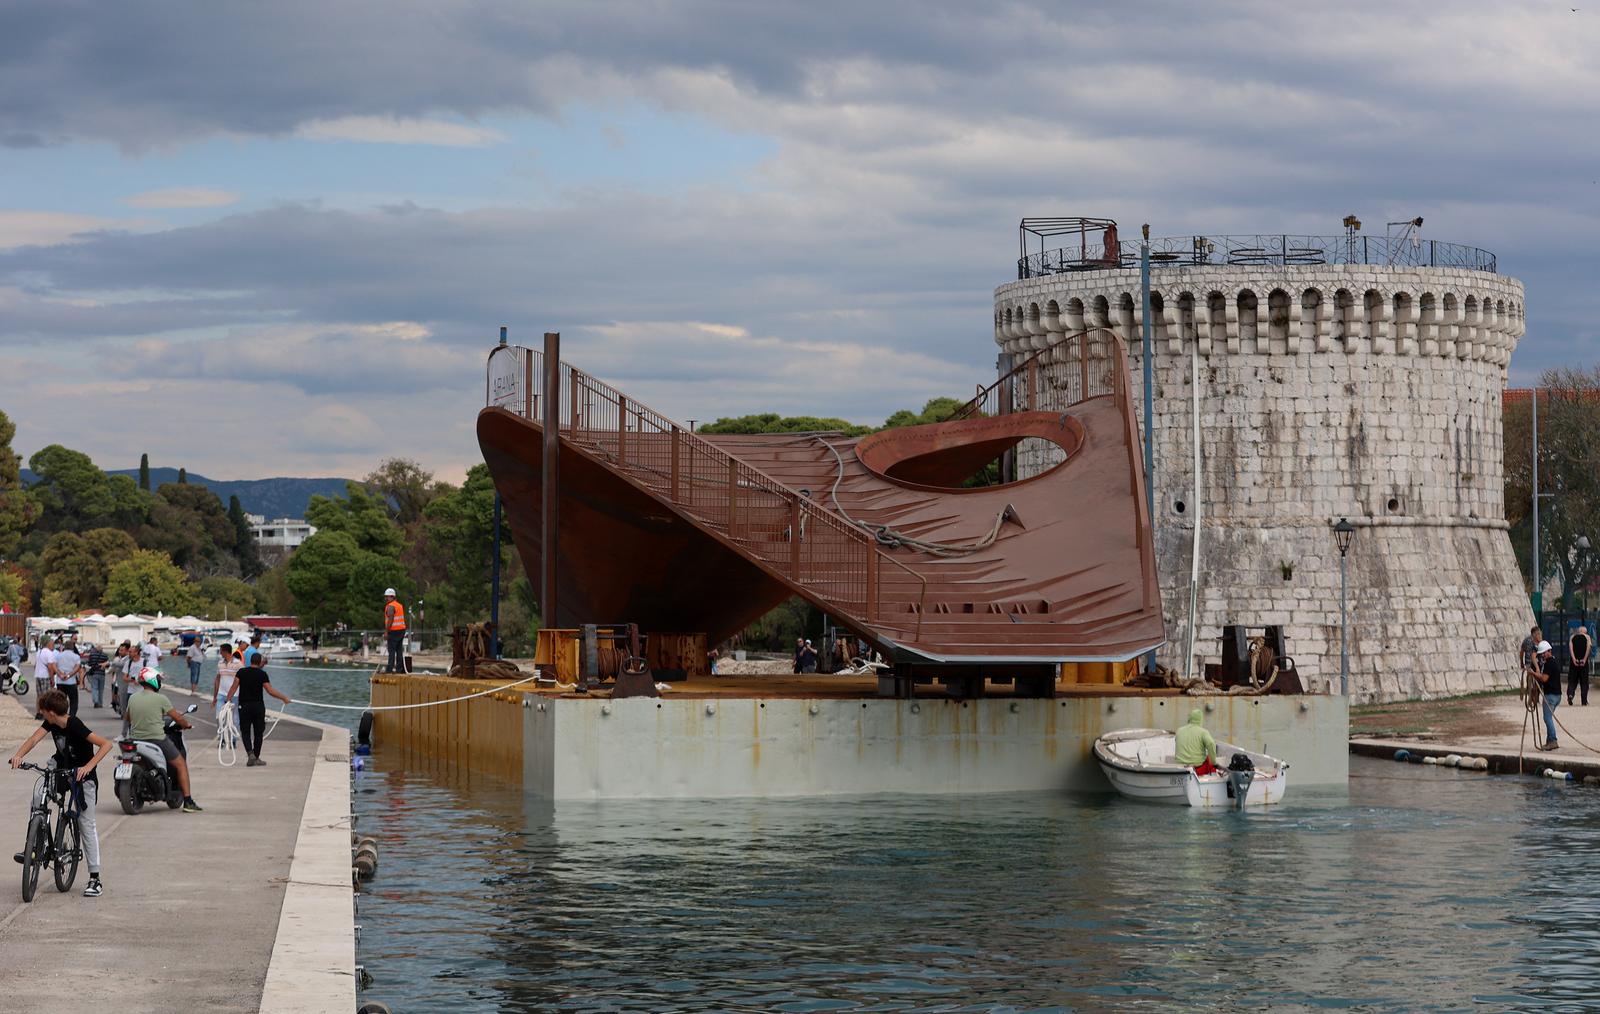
279,238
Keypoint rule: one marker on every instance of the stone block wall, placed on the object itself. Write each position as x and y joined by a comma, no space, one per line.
1357,391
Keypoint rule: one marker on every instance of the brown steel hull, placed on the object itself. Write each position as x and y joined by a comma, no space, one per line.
1068,575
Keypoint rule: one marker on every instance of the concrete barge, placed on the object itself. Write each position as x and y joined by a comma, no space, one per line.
822,735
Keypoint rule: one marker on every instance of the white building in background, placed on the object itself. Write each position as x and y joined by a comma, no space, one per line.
280,536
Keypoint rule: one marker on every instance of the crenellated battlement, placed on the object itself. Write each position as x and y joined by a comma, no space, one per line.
1289,310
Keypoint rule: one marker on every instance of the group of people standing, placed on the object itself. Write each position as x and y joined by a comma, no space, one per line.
1542,674
136,695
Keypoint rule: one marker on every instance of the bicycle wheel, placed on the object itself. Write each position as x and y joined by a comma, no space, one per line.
34,849
69,850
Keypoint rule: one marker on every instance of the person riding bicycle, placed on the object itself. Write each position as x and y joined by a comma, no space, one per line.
77,750
146,713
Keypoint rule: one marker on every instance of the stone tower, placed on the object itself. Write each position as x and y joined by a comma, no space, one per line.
1339,377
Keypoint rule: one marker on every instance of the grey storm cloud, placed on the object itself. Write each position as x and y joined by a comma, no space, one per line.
461,273
148,73
911,137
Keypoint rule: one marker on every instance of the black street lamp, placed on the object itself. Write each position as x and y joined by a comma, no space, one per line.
1343,532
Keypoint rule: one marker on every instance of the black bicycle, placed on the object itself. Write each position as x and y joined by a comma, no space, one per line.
59,846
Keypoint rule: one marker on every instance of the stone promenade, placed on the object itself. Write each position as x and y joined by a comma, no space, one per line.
1494,726
246,906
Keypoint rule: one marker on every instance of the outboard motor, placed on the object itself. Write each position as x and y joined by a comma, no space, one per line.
1241,773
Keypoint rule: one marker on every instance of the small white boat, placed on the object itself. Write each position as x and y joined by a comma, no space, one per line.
282,648
1139,764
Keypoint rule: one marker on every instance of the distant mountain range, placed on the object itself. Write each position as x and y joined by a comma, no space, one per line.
271,498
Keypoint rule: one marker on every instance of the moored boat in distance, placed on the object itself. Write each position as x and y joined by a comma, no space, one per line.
282,648
1139,763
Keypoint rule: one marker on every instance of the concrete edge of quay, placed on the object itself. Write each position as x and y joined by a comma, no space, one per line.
313,964
1501,762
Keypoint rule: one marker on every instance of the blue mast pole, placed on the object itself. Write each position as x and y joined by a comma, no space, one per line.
1149,394
494,580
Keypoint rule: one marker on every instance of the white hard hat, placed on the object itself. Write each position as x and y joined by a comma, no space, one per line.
389,592
1544,646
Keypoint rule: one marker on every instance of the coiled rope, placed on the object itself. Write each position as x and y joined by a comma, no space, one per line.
891,538
1533,696
227,736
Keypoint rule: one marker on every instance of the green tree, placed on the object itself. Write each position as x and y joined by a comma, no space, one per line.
53,603
370,575
108,547
933,410
272,591
13,589
144,472
18,584
460,526
76,567
772,422
226,598
18,509
244,541
183,476
71,572
318,576
359,514
189,524
149,582
74,495
406,487
519,617
1569,473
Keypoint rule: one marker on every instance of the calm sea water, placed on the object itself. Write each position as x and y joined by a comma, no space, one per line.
1420,889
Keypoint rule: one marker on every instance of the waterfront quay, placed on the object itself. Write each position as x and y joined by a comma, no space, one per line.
1491,726
246,906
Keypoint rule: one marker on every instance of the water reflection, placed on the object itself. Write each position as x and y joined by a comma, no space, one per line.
1421,889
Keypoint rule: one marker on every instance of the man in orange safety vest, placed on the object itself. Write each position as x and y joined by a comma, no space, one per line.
394,626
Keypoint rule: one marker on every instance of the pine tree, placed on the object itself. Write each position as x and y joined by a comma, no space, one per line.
244,545
183,477
144,472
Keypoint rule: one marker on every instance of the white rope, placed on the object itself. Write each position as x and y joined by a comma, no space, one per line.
227,739
292,666
406,707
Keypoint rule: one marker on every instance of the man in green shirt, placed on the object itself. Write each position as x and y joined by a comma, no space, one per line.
1194,746
146,712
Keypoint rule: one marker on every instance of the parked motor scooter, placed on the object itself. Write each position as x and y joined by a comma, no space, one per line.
11,680
141,775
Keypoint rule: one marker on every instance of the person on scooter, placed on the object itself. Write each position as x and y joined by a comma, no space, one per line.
145,713
81,750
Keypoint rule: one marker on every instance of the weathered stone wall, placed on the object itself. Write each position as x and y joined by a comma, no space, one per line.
1365,392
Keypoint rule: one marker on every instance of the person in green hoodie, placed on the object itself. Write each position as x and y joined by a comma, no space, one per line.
1195,747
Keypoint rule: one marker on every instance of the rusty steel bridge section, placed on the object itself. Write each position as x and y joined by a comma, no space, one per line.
678,531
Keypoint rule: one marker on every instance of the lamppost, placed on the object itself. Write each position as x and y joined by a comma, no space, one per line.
1343,532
